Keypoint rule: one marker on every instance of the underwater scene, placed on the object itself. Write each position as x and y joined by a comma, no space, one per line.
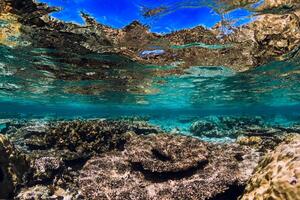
150,99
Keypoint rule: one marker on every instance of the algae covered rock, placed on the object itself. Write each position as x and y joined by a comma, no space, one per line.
163,153
13,167
44,192
277,177
75,139
93,135
36,192
165,167
45,168
266,140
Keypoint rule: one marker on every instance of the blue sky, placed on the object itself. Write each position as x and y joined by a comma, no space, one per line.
119,13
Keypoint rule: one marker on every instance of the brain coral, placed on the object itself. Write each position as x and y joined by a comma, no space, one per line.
277,177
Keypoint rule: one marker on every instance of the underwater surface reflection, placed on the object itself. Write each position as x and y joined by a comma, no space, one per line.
46,82
94,70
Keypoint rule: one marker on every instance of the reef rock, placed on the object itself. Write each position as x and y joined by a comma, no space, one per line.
13,167
45,168
166,167
160,156
277,176
36,192
265,140
71,140
44,192
225,126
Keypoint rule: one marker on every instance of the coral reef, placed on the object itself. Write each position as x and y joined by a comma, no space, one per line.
46,167
36,192
42,192
249,131
57,150
277,175
76,139
265,143
168,167
225,126
13,167
160,156
125,159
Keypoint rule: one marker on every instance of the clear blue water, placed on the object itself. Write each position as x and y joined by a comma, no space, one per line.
51,84
40,83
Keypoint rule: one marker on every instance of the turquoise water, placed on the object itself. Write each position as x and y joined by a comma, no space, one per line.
43,83
203,45
37,83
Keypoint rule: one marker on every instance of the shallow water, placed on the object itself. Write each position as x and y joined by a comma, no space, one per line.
53,84
38,83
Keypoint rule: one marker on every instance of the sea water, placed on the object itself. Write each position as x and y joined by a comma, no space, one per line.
30,89
46,84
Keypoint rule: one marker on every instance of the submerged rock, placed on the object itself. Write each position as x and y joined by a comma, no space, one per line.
277,176
36,192
13,167
46,168
265,143
165,167
44,192
159,156
71,140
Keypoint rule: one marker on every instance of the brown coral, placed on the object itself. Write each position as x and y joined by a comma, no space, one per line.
277,175
12,168
10,30
162,153
78,138
164,167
